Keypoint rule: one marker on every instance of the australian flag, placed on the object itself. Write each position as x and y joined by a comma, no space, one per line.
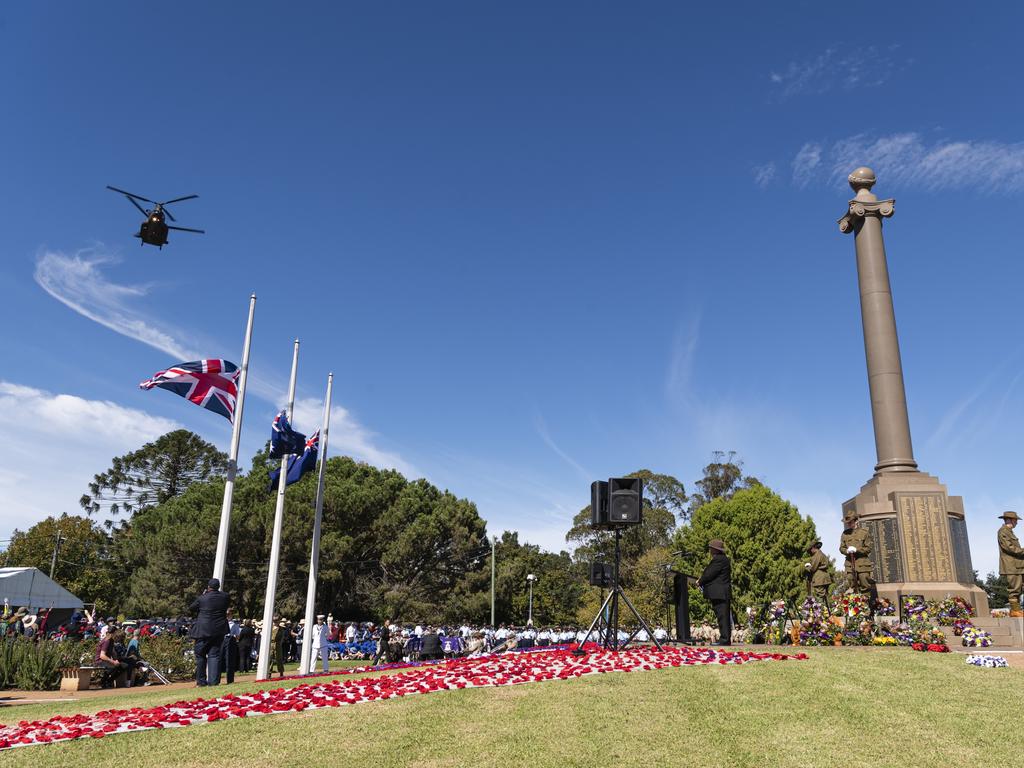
298,465
210,384
284,440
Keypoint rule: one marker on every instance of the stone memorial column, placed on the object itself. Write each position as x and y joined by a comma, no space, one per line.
918,531
881,345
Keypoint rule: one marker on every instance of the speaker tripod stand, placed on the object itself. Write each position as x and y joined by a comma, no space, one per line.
607,620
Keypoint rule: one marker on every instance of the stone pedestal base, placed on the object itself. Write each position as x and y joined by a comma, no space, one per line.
937,590
919,538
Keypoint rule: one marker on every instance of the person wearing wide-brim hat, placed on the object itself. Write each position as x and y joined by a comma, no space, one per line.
855,546
816,568
1011,561
280,637
716,583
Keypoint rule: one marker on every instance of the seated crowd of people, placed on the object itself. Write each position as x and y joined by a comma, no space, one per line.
119,643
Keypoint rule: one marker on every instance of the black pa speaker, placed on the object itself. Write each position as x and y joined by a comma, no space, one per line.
625,500
600,574
599,504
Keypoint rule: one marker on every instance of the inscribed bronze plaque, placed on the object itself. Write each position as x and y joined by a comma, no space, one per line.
886,553
922,519
961,550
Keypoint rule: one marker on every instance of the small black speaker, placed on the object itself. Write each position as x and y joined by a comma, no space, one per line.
625,500
600,574
599,504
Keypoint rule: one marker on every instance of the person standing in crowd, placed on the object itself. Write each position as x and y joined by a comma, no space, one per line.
382,643
208,632
320,638
818,578
716,583
280,637
229,650
246,640
1011,561
855,546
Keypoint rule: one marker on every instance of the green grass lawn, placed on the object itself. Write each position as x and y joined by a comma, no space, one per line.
844,707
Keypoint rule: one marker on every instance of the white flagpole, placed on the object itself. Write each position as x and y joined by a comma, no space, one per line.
236,435
306,663
263,665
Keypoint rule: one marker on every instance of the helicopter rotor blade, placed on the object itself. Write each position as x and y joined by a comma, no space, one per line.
179,199
186,229
141,209
130,194
169,214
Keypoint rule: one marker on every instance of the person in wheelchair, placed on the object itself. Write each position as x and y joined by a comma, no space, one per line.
107,659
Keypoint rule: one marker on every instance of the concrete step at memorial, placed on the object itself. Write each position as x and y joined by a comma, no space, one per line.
1004,631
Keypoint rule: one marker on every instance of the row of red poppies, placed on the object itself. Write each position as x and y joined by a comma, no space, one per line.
508,669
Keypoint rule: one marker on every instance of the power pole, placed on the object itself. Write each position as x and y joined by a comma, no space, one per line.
56,550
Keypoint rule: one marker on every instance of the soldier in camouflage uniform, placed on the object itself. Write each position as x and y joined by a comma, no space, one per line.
818,577
1011,560
855,546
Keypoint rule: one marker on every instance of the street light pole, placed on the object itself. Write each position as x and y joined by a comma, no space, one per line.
530,578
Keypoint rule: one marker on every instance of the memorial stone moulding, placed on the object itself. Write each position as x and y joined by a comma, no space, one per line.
918,530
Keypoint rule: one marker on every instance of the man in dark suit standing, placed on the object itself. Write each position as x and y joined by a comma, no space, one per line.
211,625
716,583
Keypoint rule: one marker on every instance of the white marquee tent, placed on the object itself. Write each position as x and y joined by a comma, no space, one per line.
34,589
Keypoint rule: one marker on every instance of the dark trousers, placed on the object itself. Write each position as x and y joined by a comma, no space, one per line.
721,609
245,657
207,650
229,657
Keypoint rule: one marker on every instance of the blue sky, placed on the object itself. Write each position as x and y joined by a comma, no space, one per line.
537,243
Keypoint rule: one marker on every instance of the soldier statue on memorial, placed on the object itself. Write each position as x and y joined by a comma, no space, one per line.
855,546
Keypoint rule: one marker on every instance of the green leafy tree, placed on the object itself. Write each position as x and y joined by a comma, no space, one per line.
722,478
766,538
389,547
556,591
155,473
85,564
997,588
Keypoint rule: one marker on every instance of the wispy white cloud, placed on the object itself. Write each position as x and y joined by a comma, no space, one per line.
75,431
681,357
78,282
764,174
349,437
835,69
909,160
806,163
72,417
542,429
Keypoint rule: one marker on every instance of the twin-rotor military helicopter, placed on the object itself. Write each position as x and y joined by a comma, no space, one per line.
154,228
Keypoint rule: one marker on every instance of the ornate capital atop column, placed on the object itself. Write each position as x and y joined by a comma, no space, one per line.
864,203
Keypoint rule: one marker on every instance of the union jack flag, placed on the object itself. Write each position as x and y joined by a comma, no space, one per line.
210,384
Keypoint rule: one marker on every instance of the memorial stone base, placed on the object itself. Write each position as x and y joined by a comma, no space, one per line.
919,538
